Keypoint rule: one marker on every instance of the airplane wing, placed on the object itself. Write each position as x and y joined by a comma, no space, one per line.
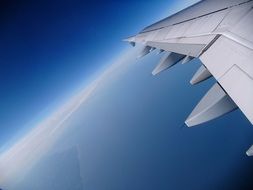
219,33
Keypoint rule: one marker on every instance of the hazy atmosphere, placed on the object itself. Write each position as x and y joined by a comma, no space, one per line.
80,112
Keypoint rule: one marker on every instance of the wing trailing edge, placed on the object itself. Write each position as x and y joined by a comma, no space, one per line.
219,34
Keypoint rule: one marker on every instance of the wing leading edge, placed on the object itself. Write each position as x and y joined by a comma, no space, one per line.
219,33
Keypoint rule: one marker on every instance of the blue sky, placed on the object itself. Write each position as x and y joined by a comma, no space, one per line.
48,49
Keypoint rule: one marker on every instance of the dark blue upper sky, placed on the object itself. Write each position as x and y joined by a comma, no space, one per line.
49,48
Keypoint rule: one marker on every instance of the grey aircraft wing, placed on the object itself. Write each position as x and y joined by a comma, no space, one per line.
220,34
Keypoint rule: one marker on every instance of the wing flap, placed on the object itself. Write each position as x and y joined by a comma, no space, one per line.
219,33
230,63
239,86
186,49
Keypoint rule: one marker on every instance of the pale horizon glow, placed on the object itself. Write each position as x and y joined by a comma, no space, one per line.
23,155
27,151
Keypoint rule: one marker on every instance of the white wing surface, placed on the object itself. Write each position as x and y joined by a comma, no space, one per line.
220,34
